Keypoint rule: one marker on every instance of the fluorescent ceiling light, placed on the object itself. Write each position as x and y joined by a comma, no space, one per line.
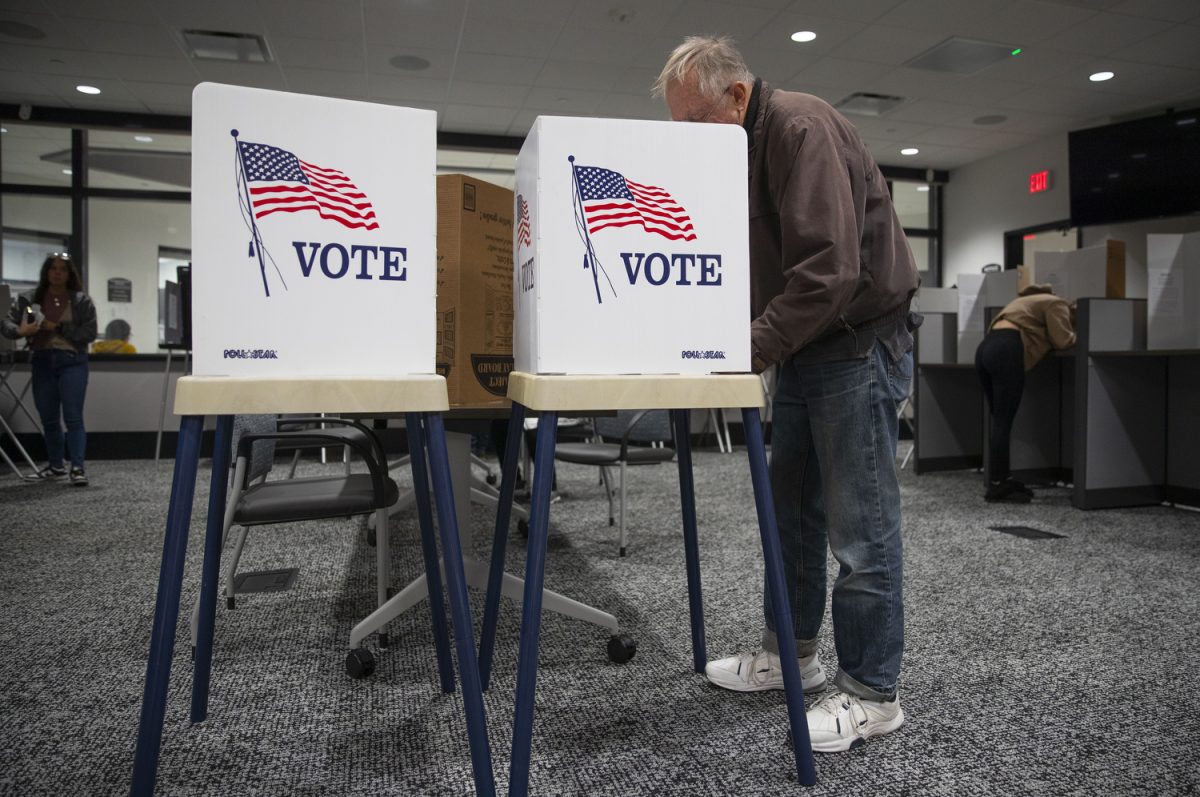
143,139
803,36
922,188
1098,77
909,151
87,89
66,171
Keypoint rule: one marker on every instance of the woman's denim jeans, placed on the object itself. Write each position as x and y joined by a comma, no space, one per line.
59,385
833,475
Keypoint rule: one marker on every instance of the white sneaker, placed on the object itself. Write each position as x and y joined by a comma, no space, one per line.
757,672
842,721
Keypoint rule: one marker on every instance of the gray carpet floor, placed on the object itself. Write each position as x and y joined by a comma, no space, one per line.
1051,666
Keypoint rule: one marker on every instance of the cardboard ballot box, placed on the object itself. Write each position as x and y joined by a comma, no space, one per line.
313,235
474,289
1173,282
631,248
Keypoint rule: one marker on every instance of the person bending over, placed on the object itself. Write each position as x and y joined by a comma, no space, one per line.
58,321
1019,337
831,277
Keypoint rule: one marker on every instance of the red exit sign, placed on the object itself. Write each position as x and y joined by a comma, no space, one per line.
1039,181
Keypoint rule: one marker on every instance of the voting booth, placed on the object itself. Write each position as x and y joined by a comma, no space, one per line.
631,248
1173,281
314,235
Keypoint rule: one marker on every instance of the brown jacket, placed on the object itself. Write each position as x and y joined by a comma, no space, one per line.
826,249
1044,321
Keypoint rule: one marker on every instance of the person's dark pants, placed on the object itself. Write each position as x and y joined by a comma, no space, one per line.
1000,362
60,380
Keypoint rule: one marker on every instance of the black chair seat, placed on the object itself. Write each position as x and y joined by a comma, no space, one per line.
288,500
610,454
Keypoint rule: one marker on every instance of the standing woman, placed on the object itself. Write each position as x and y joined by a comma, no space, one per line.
58,321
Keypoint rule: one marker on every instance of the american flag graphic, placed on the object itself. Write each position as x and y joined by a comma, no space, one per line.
279,182
612,200
524,235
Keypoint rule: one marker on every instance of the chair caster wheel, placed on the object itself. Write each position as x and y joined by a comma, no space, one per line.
491,479
231,602
611,523
371,540
523,527
360,663
621,648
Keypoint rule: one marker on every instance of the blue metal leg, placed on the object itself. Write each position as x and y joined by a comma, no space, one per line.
166,607
460,607
780,603
213,541
691,540
433,579
531,604
508,482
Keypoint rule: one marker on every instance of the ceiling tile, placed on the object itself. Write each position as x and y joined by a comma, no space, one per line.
886,44
635,80
44,60
503,36
112,10
858,10
340,20
156,95
327,54
59,33
1052,99
616,48
260,76
831,33
934,112
1105,33
234,16
406,89
492,68
840,73
886,129
948,136
632,106
441,62
945,17
123,37
404,24
348,85
1169,10
564,101
724,19
1176,46
163,70
491,94
648,16
577,75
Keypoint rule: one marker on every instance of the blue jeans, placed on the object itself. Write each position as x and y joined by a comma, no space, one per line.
834,480
59,385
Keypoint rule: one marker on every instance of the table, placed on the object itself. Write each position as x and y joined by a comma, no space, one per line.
549,395
423,398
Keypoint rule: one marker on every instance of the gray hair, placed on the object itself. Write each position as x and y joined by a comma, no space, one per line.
714,60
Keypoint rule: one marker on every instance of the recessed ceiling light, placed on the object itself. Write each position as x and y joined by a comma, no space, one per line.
87,89
143,139
909,151
409,63
803,36
3,129
1099,77
922,188
66,171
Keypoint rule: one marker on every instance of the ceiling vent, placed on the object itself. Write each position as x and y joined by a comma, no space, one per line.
961,56
866,104
214,45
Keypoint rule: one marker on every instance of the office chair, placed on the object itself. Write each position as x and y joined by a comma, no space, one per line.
628,426
256,500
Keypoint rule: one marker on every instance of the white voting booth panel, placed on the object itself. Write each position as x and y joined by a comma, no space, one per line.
314,237
976,293
631,248
1173,306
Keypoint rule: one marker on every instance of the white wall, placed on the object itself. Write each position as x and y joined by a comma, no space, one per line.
988,197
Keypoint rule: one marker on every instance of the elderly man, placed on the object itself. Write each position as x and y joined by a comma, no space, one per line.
832,276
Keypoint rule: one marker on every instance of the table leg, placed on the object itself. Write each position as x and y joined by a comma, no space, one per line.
777,586
460,607
441,640
691,541
531,605
508,481
166,606
211,570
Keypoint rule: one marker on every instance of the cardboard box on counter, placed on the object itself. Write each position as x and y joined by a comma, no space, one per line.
474,289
